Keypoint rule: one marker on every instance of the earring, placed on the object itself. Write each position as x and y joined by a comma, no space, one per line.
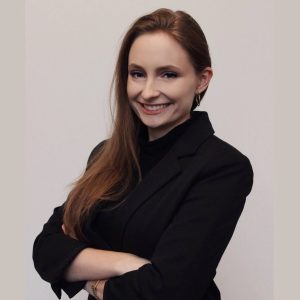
198,99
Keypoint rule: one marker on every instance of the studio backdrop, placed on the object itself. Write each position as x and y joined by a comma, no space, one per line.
71,49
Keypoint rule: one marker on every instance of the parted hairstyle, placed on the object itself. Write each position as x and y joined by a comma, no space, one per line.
114,170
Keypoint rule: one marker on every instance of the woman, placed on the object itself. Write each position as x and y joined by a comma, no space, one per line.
159,200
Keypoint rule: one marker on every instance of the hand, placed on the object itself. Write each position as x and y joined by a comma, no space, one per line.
66,233
100,288
63,228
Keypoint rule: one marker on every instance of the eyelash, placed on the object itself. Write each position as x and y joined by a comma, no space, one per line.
174,75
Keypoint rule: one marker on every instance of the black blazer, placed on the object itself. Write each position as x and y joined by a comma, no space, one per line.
181,217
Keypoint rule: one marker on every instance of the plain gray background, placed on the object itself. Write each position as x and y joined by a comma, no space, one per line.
70,55
71,49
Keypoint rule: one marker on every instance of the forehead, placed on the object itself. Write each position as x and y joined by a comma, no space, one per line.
158,48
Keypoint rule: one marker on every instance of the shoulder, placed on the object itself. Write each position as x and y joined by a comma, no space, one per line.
224,147
217,151
218,159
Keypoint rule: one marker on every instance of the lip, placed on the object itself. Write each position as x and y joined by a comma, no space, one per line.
153,112
154,103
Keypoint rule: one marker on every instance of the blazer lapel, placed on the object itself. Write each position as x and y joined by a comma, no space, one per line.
168,167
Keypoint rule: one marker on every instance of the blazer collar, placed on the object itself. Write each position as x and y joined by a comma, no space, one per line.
168,168
196,134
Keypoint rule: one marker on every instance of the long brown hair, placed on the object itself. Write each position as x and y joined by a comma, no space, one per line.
115,169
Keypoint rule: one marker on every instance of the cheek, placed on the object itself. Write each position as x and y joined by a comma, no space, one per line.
132,89
179,92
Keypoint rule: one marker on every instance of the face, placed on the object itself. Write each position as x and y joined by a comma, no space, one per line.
162,82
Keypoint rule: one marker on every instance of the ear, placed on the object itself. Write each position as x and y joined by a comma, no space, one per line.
204,78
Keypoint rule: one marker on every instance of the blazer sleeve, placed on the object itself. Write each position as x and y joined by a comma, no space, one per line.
53,251
186,257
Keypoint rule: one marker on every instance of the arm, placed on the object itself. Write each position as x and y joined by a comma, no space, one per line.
53,251
94,264
67,263
185,260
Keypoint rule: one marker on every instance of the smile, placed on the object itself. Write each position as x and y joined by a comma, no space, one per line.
154,109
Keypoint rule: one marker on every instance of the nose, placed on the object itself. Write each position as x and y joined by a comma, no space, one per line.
149,91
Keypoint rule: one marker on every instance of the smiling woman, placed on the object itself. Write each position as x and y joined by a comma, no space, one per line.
160,198
161,102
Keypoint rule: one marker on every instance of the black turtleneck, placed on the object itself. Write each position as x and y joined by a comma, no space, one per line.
151,152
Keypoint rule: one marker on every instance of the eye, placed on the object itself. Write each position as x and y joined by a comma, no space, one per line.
136,74
170,75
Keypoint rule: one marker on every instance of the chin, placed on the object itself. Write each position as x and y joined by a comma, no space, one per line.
152,121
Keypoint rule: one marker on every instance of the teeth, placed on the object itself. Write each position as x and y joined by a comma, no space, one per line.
155,107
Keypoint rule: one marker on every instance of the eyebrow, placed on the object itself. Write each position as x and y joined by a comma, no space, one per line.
158,69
